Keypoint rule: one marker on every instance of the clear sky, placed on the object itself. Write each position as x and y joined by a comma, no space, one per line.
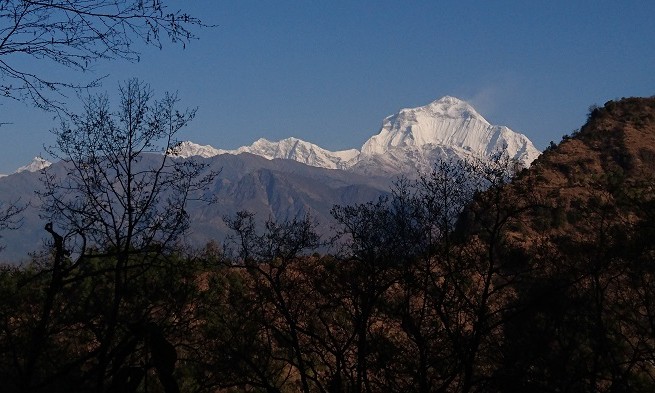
329,71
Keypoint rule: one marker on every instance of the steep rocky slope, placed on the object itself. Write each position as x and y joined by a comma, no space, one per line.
277,189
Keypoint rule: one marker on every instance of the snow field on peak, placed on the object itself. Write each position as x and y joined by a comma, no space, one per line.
289,148
188,149
452,123
413,137
301,151
36,165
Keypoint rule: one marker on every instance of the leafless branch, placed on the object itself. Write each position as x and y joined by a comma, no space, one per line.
76,34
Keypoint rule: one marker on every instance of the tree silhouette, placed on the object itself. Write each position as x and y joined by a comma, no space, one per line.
10,216
120,199
268,259
76,34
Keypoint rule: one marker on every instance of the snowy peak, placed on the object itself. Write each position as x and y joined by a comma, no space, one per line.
448,123
289,148
36,165
447,107
189,149
413,138
301,151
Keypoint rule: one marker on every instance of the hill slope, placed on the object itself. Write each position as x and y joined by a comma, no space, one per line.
572,249
611,157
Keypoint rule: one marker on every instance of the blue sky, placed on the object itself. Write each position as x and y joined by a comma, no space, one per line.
329,71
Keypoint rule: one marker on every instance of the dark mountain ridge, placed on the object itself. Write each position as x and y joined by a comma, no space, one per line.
575,245
272,189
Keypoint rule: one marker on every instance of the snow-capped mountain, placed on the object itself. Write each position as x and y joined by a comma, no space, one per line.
448,122
416,138
189,149
271,183
36,165
413,139
289,148
301,151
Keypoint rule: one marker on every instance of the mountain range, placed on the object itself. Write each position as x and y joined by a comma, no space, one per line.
281,180
410,140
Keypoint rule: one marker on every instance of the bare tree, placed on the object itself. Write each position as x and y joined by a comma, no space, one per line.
122,189
122,198
279,289
76,34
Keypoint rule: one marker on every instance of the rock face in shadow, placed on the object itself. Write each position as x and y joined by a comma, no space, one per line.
277,189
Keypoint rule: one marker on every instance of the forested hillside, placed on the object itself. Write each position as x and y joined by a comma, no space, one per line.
477,277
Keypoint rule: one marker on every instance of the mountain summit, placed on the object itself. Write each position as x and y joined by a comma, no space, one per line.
448,122
36,165
415,138
289,149
411,139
